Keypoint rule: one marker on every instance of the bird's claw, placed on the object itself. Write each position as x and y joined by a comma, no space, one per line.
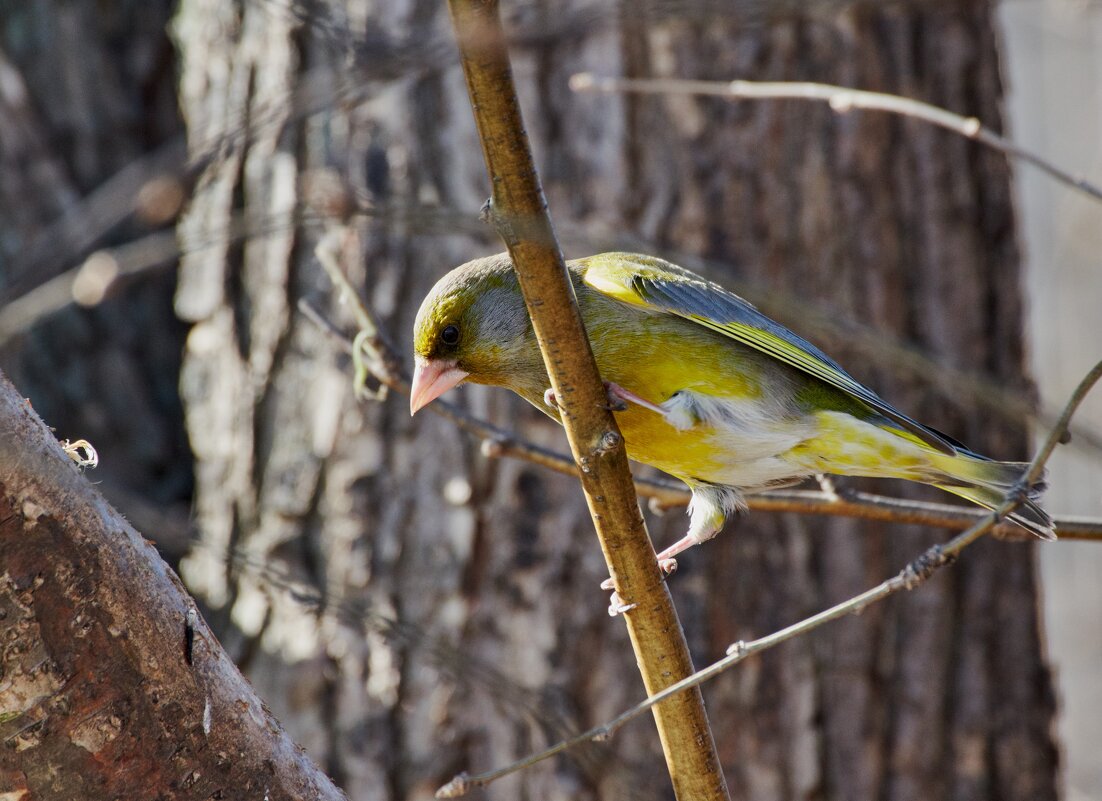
549,398
616,606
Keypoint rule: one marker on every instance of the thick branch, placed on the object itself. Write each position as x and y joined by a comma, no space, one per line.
113,685
519,211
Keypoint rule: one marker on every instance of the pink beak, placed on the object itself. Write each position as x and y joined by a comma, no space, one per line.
431,379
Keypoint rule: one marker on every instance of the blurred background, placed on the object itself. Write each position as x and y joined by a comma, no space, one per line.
1054,73
410,608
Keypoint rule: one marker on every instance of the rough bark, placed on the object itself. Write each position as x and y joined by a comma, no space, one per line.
104,697
485,633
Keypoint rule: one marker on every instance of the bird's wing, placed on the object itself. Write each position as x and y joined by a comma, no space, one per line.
656,284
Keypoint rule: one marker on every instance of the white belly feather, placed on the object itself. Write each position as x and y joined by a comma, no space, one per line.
748,437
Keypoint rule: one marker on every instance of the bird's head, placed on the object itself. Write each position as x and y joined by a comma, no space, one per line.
473,326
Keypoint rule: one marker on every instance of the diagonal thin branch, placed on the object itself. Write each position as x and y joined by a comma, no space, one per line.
913,575
841,99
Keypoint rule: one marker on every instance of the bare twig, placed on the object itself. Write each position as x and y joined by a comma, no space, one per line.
914,574
840,99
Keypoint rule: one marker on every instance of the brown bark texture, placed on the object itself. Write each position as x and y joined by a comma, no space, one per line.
111,688
454,620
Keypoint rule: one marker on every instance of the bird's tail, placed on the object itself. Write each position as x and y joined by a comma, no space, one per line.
986,483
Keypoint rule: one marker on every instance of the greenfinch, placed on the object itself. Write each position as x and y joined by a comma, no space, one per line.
707,388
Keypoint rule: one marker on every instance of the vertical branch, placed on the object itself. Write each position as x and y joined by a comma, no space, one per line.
520,215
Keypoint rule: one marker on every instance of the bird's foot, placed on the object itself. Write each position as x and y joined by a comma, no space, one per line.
667,566
826,486
616,605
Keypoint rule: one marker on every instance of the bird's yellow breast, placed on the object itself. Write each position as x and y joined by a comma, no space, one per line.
656,356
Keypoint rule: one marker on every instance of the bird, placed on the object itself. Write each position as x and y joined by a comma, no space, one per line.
706,387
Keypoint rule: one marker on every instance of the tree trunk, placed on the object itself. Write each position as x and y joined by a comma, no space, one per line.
485,634
112,687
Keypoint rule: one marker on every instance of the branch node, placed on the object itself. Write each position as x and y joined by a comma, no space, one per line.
737,649
609,442
603,735
492,448
925,566
486,213
504,223
460,785
366,364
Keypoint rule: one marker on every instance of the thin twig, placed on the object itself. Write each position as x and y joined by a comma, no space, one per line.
841,99
913,575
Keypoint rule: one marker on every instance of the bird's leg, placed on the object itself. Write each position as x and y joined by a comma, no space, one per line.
666,562
616,605
708,509
618,399
826,485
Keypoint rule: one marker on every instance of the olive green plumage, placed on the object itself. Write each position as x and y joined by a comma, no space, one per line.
717,394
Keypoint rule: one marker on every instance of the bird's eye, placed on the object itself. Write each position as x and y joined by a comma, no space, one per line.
450,335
